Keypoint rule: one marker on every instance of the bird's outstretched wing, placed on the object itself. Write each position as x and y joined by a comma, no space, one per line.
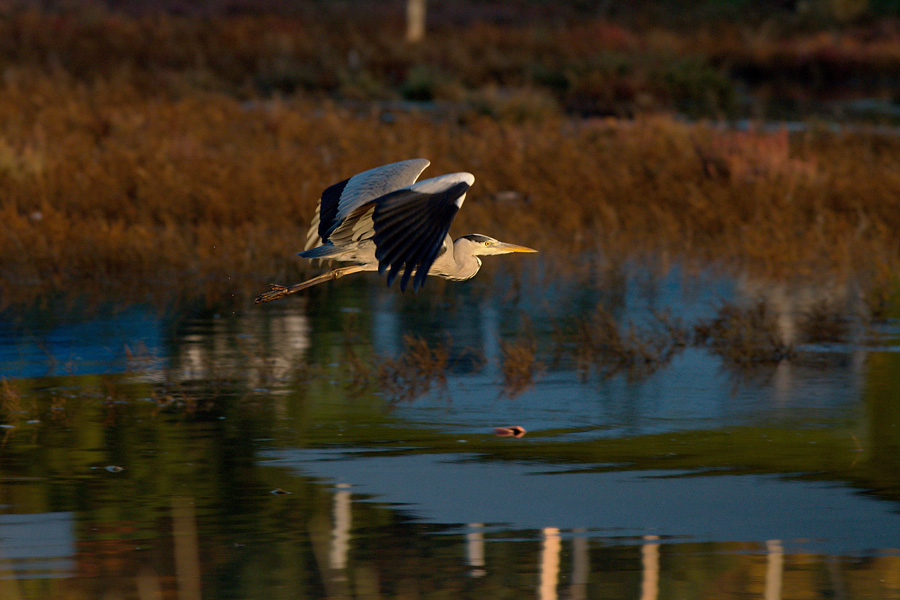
341,199
410,225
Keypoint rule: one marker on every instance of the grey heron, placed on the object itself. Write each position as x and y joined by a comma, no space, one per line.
383,220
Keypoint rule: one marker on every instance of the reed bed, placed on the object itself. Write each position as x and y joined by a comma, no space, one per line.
132,191
579,60
170,166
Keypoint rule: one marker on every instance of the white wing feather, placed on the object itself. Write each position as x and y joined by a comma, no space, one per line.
365,187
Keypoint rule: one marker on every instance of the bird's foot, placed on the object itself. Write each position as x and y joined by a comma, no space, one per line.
275,292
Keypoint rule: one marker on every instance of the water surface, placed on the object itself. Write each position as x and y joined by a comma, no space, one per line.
256,451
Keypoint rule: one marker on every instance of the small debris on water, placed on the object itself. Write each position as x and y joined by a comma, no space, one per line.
512,431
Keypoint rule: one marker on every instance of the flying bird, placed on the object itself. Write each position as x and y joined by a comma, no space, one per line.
383,220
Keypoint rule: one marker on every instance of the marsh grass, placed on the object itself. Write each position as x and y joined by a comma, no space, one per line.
150,156
209,194
583,62
744,335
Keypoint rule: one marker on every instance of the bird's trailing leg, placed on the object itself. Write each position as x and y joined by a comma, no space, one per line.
280,291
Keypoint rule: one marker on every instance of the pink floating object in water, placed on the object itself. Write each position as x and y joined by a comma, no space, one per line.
514,431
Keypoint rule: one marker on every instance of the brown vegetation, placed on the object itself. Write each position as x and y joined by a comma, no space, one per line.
414,372
519,366
173,165
744,335
604,345
109,189
591,66
824,322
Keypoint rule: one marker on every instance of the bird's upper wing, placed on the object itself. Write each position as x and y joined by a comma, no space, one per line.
410,225
341,199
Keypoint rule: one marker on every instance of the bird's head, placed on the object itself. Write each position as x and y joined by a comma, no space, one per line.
482,245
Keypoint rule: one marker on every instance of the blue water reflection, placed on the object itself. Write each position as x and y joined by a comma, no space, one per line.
142,440
454,489
51,343
38,545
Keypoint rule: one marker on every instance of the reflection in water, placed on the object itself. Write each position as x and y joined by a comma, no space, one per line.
260,348
148,586
490,336
340,535
37,544
551,546
650,568
825,309
475,549
795,462
774,569
550,556
790,302
581,567
187,552
9,588
551,551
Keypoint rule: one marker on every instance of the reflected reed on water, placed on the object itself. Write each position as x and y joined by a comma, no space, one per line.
350,439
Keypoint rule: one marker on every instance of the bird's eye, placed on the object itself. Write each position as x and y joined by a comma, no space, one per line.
487,242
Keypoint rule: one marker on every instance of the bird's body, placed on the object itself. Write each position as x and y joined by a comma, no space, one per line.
449,264
382,220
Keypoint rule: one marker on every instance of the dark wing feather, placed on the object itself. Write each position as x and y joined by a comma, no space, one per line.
410,227
344,198
328,208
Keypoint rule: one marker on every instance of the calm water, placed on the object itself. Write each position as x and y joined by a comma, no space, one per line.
298,450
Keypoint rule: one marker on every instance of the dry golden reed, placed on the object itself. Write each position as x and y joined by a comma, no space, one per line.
193,158
208,188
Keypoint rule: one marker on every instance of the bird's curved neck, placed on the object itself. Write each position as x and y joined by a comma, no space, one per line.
467,264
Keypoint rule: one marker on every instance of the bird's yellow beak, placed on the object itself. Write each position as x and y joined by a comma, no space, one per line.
514,248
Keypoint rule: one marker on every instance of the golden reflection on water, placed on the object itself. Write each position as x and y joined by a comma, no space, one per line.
558,549
340,535
650,568
549,569
774,569
187,552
